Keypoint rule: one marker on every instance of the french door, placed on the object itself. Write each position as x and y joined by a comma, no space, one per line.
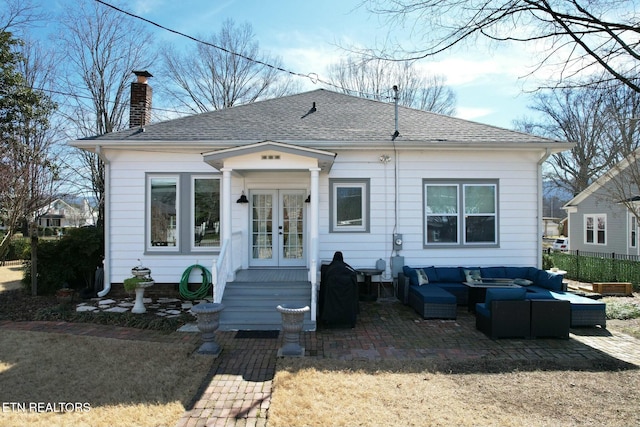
277,228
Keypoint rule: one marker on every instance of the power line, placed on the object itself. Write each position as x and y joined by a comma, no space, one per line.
313,77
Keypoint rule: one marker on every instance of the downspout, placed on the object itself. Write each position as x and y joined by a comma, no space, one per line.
543,159
107,222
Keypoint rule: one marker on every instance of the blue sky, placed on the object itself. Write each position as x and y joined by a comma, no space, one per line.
307,35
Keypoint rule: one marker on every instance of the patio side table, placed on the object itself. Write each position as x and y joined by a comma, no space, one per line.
367,294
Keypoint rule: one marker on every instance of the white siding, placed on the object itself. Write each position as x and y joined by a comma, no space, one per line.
516,172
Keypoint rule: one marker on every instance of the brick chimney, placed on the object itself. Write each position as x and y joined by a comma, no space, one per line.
140,107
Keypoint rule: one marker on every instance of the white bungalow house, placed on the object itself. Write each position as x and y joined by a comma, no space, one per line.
280,185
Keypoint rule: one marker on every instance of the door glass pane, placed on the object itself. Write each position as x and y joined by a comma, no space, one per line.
262,226
206,211
163,211
292,219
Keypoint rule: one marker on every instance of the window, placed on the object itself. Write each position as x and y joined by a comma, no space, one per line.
349,205
595,229
163,215
633,231
173,226
462,213
205,208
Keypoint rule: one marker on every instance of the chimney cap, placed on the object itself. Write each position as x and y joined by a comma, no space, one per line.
144,73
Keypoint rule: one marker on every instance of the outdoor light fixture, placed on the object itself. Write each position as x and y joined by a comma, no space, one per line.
308,199
242,199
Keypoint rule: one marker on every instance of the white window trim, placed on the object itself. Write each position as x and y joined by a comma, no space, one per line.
192,207
483,214
429,214
161,249
336,183
461,215
595,229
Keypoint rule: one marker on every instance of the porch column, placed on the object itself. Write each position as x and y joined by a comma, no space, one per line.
225,232
314,227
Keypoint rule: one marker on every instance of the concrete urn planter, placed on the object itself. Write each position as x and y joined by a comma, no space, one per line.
208,315
292,323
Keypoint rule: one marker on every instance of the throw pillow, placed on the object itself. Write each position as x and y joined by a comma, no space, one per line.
522,282
423,279
472,275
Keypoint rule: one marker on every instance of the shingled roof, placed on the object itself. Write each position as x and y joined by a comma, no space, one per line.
338,118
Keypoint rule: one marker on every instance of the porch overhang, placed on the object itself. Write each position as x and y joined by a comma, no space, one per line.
270,155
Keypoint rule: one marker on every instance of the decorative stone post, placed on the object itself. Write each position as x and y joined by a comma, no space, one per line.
208,314
292,323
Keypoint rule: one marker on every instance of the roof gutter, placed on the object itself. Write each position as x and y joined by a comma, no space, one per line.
543,158
107,222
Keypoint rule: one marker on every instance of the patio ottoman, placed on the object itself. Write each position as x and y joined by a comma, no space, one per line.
550,318
433,302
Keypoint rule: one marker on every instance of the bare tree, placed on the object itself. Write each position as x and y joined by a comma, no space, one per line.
598,121
18,15
227,69
583,37
375,78
102,47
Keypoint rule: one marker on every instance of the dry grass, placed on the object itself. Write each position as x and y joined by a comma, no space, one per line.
124,383
322,392
131,383
10,278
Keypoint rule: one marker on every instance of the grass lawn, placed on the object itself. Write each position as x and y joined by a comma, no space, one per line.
328,393
135,383
115,382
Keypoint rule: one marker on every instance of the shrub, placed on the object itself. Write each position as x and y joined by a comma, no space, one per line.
71,260
18,249
547,262
621,310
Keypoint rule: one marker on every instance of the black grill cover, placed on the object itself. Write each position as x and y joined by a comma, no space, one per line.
338,298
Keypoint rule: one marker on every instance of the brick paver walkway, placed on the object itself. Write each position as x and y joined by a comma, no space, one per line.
237,391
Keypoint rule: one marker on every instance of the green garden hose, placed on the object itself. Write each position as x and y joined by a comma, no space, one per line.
204,288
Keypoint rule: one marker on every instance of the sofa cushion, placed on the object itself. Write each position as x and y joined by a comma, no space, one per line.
504,294
536,292
493,272
522,282
450,274
472,275
517,272
482,310
546,280
412,274
423,279
432,274
433,294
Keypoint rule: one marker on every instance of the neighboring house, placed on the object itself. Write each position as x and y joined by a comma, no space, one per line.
284,183
597,220
60,214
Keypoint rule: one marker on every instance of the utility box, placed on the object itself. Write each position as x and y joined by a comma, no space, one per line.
397,242
397,262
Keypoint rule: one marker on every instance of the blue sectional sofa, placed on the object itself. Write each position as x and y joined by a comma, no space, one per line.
431,290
